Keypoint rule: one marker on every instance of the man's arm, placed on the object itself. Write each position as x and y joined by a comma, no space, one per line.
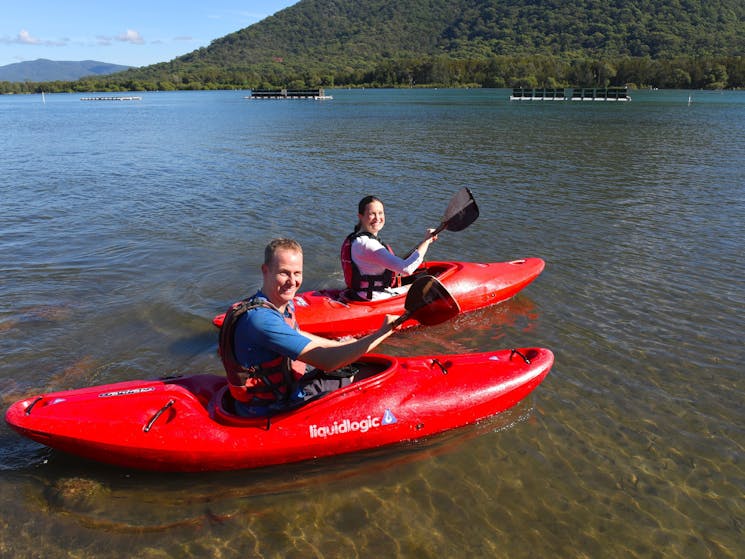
329,355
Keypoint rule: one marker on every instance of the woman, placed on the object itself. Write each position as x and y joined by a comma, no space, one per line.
371,269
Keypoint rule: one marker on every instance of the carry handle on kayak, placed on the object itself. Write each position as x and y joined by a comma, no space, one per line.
460,213
160,412
428,302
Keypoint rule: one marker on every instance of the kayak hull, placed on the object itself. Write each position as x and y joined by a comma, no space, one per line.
473,285
184,424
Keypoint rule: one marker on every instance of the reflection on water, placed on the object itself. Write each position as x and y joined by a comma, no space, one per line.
129,229
77,496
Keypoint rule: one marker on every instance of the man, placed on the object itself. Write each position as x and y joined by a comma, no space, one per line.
265,353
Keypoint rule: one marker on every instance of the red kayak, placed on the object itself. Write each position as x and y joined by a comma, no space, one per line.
473,285
185,423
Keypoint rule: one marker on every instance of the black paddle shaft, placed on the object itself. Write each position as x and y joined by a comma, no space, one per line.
429,302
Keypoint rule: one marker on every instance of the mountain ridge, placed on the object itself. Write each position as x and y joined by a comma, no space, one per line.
43,69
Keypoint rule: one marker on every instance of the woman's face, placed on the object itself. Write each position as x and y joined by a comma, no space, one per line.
373,218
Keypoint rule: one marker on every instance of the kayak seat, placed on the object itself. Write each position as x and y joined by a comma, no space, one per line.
222,409
349,294
203,387
227,403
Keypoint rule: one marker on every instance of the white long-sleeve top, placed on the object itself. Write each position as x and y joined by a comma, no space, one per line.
372,258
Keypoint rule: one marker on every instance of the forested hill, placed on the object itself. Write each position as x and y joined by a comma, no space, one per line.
493,43
355,32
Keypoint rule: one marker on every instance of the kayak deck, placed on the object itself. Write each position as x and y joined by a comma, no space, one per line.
184,424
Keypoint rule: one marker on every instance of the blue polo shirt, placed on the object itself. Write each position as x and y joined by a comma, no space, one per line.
262,335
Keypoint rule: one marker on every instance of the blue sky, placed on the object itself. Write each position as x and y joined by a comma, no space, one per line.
129,32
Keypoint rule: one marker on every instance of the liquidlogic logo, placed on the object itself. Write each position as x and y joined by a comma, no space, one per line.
127,392
352,426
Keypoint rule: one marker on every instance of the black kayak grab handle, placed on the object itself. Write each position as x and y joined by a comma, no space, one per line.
514,351
150,423
442,367
31,406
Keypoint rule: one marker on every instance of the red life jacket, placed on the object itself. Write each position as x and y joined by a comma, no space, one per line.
262,384
355,280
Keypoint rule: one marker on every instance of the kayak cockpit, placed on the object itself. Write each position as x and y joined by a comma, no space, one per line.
371,370
346,296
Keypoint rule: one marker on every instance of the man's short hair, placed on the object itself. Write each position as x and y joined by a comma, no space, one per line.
280,244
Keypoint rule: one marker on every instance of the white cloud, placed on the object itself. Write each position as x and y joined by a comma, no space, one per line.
131,36
25,38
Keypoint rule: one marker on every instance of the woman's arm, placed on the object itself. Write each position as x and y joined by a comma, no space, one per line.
372,258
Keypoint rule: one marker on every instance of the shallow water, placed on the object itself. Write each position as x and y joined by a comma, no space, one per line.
126,226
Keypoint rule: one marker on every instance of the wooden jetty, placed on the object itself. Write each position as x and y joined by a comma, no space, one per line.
535,94
110,98
317,94
601,94
570,94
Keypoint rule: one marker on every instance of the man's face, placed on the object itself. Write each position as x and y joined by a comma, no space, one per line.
283,276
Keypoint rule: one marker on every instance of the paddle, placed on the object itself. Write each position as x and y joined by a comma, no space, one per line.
460,213
428,302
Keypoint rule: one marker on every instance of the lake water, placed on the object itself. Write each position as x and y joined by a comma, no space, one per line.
125,226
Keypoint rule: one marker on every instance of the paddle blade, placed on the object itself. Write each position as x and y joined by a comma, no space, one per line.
429,302
461,212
